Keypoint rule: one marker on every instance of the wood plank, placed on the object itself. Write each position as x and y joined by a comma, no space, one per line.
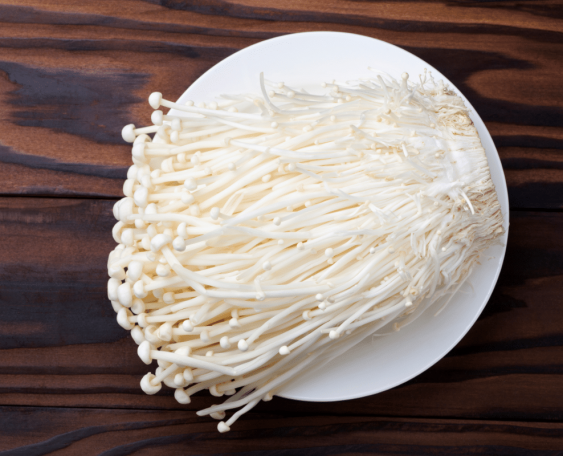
62,347
38,431
500,19
51,273
73,73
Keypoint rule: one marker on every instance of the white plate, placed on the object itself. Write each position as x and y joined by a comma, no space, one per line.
305,60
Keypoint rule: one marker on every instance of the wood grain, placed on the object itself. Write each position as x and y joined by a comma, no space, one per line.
111,433
79,431
73,73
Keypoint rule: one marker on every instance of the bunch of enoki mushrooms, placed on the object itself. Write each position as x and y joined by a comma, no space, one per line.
263,236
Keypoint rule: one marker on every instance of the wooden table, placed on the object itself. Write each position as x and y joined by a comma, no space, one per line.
72,73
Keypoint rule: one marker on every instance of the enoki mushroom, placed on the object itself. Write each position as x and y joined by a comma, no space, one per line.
262,236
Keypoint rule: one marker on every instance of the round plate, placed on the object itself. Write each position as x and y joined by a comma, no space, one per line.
304,60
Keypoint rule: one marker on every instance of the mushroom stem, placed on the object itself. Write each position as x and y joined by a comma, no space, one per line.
264,235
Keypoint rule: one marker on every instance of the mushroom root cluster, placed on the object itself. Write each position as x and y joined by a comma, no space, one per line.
263,235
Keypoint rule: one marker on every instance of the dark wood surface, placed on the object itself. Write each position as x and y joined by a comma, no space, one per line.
73,73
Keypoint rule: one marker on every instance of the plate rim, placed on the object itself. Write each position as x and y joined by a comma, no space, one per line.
502,196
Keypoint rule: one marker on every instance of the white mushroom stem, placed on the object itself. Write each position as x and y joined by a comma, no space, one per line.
264,235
